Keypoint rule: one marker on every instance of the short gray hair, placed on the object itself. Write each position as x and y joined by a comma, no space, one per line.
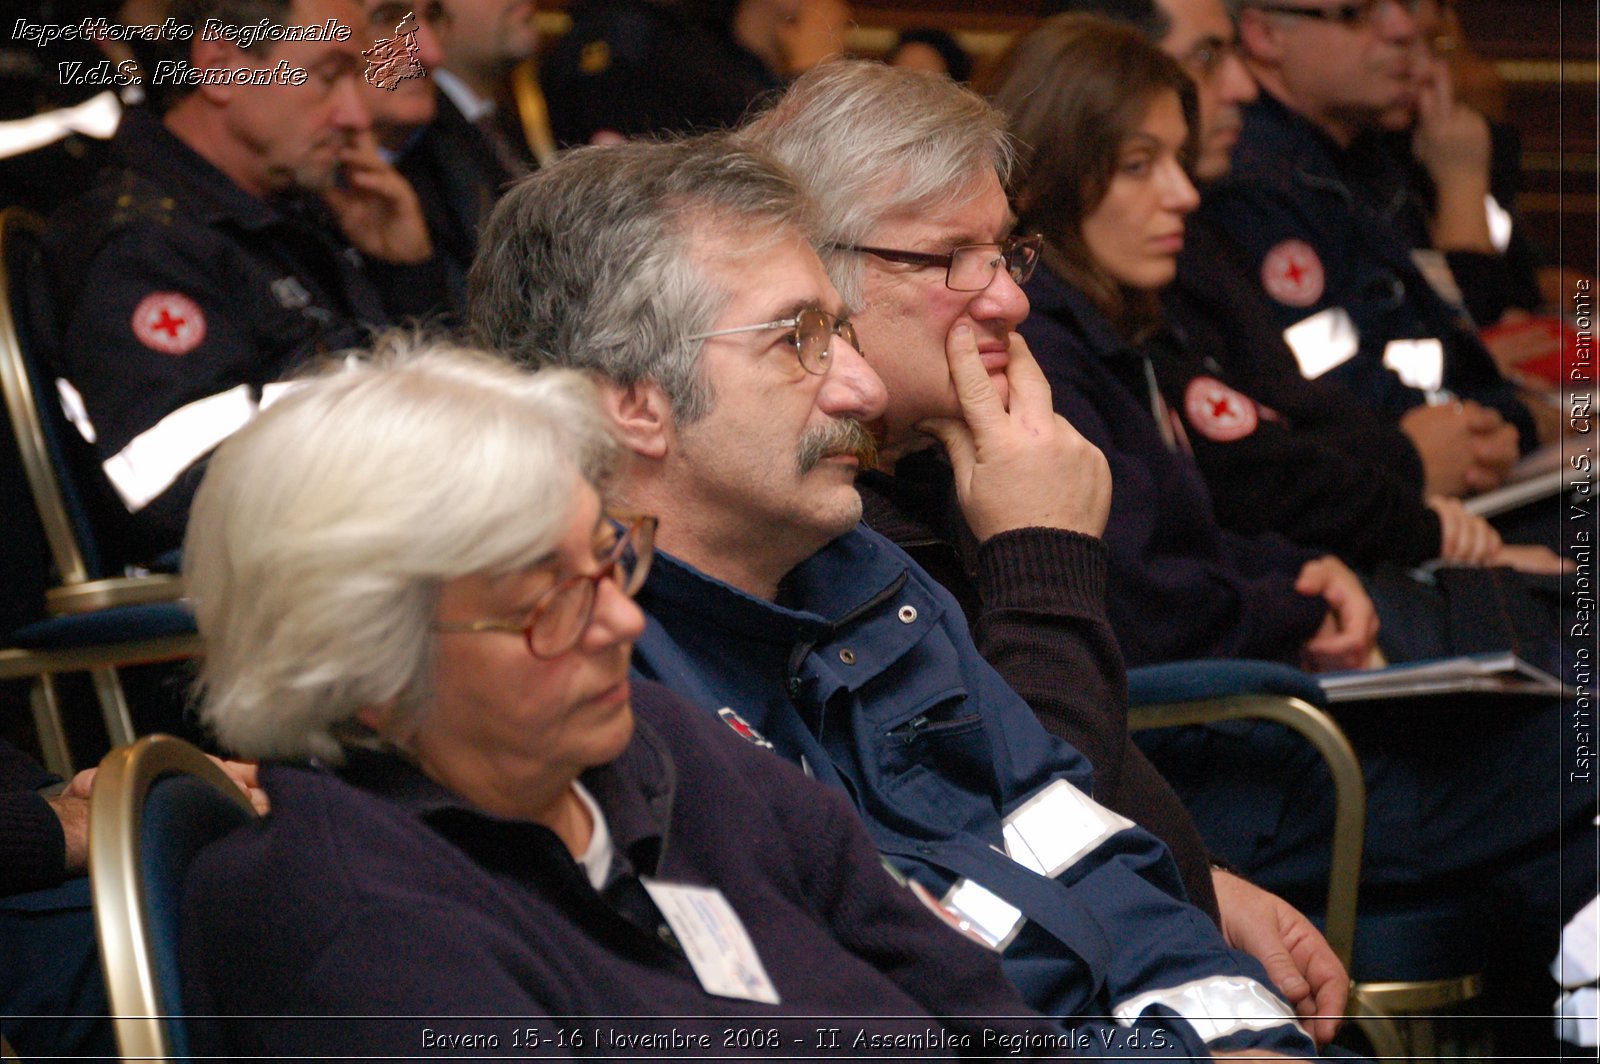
193,15
323,530
589,262
871,141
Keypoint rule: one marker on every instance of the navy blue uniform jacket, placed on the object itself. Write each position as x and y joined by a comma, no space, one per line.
864,672
1289,186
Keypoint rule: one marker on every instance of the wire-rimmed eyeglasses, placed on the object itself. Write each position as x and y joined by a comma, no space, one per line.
814,330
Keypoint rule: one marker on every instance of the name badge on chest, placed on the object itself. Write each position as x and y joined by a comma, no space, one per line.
715,941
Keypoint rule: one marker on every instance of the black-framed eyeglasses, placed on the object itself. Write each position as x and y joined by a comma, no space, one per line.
1358,13
814,330
969,267
562,614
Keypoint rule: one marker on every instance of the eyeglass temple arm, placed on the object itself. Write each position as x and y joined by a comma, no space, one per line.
783,323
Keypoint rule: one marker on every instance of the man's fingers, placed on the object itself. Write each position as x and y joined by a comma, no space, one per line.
1347,633
82,784
1286,977
1444,85
1481,418
1313,577
1030,390
980,403
1486,540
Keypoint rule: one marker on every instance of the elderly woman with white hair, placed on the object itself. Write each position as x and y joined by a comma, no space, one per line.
417,612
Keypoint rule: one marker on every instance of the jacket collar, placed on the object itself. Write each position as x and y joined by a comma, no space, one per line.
1052,296
833,584
1277,132
143,143
635,793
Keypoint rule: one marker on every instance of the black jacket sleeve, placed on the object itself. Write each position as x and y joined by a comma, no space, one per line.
32,851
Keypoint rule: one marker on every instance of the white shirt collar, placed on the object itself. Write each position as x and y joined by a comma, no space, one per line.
596,860
469,103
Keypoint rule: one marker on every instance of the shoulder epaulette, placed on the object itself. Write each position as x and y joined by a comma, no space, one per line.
135,200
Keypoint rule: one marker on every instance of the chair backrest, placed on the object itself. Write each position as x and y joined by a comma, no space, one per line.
156,804
1211,691
71,495
36,417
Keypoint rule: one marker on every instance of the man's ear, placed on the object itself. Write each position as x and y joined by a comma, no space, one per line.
1259,36
643,416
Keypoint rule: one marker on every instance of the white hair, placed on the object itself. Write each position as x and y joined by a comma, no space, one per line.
323,531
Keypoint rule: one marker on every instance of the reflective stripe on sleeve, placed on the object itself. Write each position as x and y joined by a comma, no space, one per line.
72,406
156,457
1500,224
1326,340
1216,1006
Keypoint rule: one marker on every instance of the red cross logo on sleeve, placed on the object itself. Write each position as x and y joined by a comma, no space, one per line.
1217,411
169,322
742,727
1292,274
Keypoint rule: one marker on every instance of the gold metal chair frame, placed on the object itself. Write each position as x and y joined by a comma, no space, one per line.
1385,1012
116,811
77,593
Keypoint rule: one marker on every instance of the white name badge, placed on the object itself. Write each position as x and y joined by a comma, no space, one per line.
1418,363
1326,340
1056,827
715,941
979,913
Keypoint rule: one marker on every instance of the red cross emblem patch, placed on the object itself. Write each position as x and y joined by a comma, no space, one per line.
742,727
169,322
1292,274
1217,411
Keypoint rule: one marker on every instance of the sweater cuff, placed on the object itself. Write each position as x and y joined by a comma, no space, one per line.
1044,568
1430,537
33,852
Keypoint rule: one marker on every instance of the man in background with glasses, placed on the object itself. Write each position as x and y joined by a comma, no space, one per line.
681,275
1321,236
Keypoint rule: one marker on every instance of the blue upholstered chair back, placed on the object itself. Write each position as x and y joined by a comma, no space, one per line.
156,805
79,491
182,814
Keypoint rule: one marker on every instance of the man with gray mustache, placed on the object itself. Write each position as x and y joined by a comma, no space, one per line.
681,275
